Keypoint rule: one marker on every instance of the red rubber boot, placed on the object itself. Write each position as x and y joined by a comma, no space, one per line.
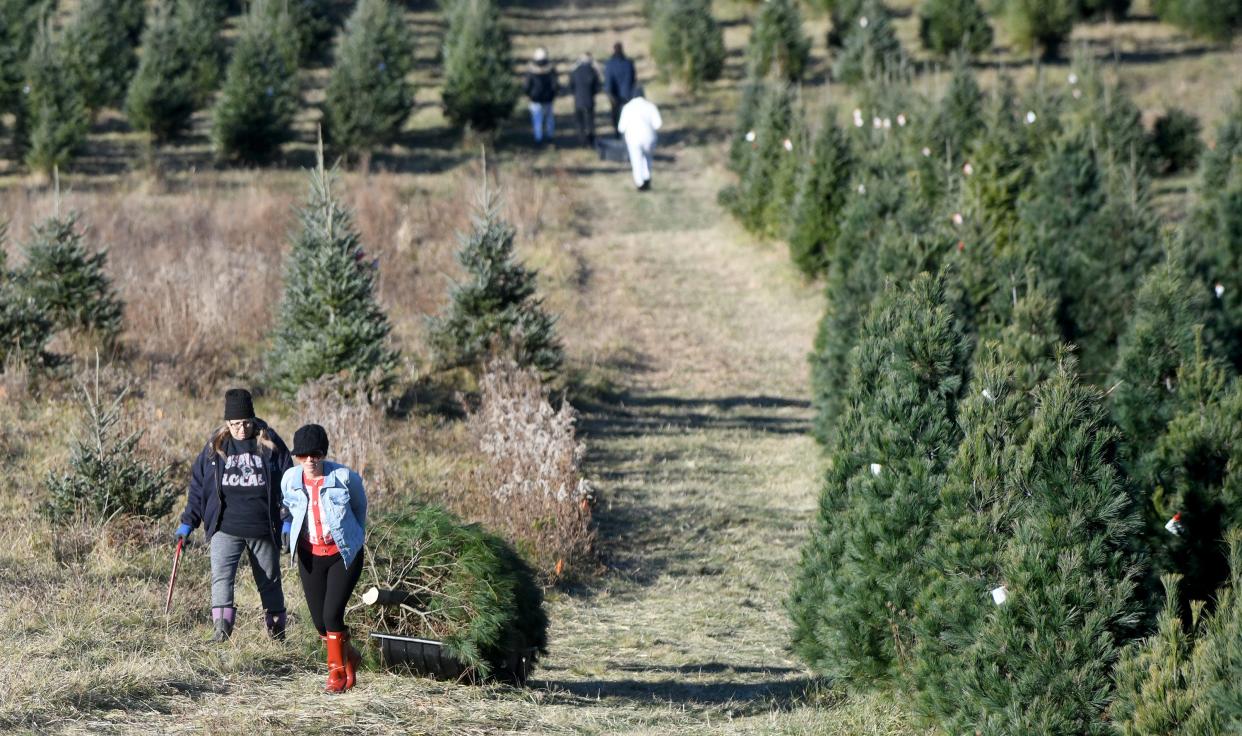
335,641
353,660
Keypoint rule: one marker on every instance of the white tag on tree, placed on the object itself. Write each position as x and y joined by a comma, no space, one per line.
1000,594
876,468
1219,289
1174,525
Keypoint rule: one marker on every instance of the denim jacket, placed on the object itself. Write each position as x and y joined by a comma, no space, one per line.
342,501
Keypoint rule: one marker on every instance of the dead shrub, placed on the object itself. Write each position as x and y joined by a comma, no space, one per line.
355,426
529,485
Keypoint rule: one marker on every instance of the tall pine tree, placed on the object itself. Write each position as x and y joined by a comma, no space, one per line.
862,570
368,97
479,90
778,45
686,42
822,194
330,321
946,26
179,67
55,105
100,50
871,50
254,114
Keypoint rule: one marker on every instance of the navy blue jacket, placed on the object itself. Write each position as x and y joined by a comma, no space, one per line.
203,506
619,77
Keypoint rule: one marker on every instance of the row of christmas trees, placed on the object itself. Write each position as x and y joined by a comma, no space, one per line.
162,67
1026,384
865,43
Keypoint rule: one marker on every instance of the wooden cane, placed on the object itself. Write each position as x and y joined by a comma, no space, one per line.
173,580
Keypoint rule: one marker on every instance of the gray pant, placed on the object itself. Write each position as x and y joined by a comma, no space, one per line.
226,551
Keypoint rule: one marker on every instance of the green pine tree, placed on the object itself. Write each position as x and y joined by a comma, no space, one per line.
979,501
948,26
496,309
100,52
862,570
762,197
1104,113
871,50
330,322
68,283
1158,690
843,15
822,193
1039,24
106,475
778,45
254,114
24,328
19,21
369,98
55,106
1042,656
686,42
959,118
1176,142
178,69
1217,20
303,28
1218,657
479,88
754,92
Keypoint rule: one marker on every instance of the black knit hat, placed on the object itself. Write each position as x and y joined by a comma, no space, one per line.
238,404
310,439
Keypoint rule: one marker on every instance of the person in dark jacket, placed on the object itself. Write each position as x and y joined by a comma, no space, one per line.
619,79
584,81
235,495
541,87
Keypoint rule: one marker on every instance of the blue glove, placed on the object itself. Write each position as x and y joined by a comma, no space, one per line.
284,535
183,533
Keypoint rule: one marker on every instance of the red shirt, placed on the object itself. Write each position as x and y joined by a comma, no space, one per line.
316,538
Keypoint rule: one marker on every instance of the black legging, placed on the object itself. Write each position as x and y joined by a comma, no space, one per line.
328,585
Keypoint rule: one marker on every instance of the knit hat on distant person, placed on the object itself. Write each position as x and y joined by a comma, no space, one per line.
238,404
310,439
541,55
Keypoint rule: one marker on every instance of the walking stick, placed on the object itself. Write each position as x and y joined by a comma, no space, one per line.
173,580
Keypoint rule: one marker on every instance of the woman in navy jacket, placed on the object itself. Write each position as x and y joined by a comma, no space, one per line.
326,526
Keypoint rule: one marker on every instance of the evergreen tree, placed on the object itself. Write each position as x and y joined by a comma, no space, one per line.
19,21
178,69
1104,113
862,569
1042,656
1158,340
1158,690
979,501
959,117
479,89
766,189
56,108
106,474
778,45
946,26
24,329
871,49
687,42
254,114
822,194
330,321
1219,656
1089,240
100,52
68,283
1217,20
1043,24
754,92
844,16
496,310
368,97
1175,141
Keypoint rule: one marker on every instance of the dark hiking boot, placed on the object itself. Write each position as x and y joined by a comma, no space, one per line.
275,625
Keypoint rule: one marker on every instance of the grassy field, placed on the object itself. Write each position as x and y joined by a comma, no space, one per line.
686,342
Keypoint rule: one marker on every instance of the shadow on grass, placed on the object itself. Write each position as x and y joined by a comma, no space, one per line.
742,698
635,415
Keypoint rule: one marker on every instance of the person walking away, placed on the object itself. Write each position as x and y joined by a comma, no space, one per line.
619,82
640,119
233,495
585,83
541,87
326,528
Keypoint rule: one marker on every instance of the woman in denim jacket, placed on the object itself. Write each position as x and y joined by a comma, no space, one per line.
327,508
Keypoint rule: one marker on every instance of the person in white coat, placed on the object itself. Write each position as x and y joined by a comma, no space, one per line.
640,119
